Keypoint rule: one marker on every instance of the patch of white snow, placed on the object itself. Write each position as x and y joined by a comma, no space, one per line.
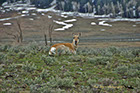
120,19
104,24
93,23
102,30
71,20
31,19
25,12
33,14
7,24
49,16
64,16
66,26
42,14
60,23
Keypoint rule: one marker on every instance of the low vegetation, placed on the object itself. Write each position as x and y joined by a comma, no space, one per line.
30,69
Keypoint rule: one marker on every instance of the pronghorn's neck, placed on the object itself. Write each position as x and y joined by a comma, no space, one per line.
75,41
74,45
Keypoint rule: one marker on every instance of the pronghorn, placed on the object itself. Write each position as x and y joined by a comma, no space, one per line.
66,47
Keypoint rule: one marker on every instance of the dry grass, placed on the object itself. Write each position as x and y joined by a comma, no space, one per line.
108,44
32,31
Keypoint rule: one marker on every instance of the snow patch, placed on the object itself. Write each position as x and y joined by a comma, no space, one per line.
31,8
71,20
66,26
25,12
49,16
102,30
53,2
34,14
7,24
5,3
120,19
3,11
93,23
60,23
64,16
46,10
23,15
4,19
104,24
19,8
31,19
42,14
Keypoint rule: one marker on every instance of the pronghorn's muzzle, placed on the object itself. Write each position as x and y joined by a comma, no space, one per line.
75,42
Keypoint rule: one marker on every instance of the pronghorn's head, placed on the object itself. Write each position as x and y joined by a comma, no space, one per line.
76,39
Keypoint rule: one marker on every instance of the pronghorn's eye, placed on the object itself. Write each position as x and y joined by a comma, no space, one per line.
78,37
73,37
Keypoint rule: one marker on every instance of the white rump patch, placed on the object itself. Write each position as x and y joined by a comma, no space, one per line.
52,51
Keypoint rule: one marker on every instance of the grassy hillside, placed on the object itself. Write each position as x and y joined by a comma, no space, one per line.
30,69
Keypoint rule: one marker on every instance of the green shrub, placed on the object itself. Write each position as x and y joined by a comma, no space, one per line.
114,50
92,82
4,48
33,45
75,58
2,56
135,66
99,60
51,90
36,80
29,67
121,70
44,74
48,60
43,88
131,71
84,51
1,70
12,67
136,52
127,53
57,82
106,81
134,83
88,89
21,55
14,49
44,49
103,52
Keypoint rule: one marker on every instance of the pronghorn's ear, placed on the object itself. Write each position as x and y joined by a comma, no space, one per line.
79,34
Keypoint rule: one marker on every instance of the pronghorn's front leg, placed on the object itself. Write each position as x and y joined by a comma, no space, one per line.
74,52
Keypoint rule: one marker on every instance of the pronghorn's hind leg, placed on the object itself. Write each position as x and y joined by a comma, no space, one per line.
61,50
52,51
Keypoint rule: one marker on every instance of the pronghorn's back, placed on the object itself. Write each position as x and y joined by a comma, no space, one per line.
65,47
70,45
